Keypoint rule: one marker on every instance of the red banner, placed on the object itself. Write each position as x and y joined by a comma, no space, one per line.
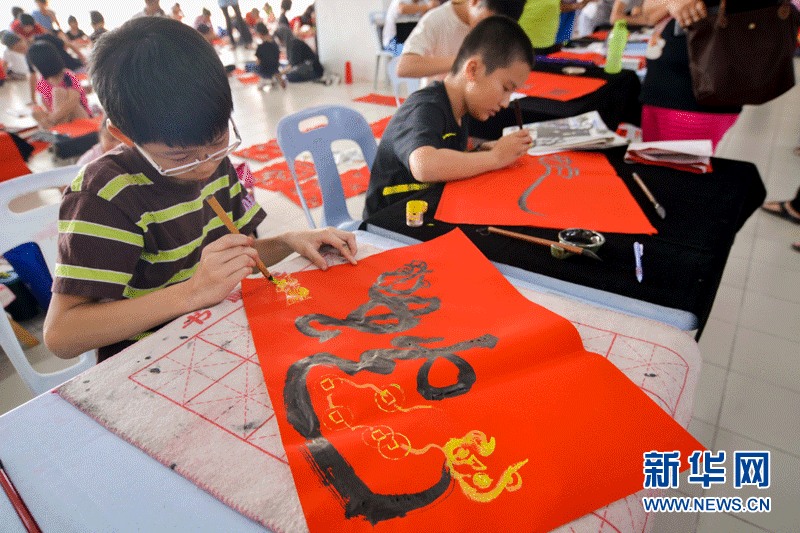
565,190
419,390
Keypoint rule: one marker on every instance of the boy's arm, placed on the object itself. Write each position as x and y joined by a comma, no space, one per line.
75,324
428,164
418,66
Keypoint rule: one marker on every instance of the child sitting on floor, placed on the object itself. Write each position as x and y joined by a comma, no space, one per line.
138,243
426,139
268,58
60,91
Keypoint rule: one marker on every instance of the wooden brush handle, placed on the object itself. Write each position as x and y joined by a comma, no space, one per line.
536,240
223,216
644,188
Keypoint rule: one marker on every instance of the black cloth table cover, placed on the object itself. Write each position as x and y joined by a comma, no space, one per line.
616,101
682,264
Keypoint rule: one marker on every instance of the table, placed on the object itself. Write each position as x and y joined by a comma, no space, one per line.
75,475
683,263
616,101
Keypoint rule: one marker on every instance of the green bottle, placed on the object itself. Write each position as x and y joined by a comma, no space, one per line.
617,40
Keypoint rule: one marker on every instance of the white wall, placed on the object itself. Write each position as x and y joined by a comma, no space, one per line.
344,34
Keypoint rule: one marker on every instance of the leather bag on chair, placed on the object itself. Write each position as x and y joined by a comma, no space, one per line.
743,58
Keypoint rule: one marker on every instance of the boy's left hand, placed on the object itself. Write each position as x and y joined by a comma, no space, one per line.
307,243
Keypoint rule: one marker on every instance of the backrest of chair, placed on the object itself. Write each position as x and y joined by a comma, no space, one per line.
38,225
412,84
343,123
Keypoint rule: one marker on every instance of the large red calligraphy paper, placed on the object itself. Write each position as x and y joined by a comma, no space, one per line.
565,190
559,87
420,391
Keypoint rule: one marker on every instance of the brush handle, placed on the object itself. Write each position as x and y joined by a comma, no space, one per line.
223,216
644,188
16,501
536,240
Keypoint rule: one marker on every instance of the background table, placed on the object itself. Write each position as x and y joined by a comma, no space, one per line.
616,101
76,475
683,263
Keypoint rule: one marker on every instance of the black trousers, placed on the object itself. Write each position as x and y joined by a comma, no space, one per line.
244,31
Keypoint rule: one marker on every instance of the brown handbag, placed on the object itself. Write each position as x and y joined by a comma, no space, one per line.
743,58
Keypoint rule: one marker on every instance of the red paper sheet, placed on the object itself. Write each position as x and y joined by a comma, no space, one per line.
11,162
79,127
565,190
419,390
278,178
248,78
559,87
597,59
600,35
379,126
380,99
261,152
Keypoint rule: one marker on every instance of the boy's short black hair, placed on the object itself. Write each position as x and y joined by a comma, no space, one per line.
261,29
26,20
71,18
160,81
509,8
286,5
206,12
45,58
499,41
95,17
204,29
16,12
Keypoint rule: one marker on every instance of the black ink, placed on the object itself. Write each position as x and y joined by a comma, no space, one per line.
392,291
155,370
559,163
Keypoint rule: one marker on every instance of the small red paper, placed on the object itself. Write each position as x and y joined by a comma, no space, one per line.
597,59
420,391
11,163
559,87
378,127
79,127
380,99
278,176
261,152
565,190
248,78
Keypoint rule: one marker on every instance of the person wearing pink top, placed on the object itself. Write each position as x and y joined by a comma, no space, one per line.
61,93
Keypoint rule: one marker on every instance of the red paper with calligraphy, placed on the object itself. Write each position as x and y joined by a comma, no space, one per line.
565,190
420,391
559,87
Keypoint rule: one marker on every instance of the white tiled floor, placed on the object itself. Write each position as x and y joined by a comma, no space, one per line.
749,391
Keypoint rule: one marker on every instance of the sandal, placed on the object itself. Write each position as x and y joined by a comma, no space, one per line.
779,209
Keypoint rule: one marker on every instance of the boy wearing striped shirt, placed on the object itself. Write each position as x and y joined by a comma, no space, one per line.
138,244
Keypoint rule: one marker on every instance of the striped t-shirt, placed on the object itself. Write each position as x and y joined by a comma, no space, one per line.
126,231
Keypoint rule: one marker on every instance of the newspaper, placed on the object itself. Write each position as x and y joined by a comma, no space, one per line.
582,132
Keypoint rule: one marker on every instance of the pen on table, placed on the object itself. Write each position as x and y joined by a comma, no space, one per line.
223,216
19,505
638,252
659,208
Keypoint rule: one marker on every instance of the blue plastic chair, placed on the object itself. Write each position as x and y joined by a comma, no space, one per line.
343,123
412,84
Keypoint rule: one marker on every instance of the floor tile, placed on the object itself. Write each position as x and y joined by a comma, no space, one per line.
724,523
708,398
776,281
716,343
762,412
767,358
770,315
727,303
784,489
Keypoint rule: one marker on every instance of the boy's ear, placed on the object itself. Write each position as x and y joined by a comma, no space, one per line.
117,134
472,67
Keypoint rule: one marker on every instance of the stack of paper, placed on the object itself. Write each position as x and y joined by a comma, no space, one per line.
689,156
582,132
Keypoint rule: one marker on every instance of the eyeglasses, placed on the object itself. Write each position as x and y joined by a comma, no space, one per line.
188,167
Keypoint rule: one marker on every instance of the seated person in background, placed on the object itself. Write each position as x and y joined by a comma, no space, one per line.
203,18
630,11
177,12
426,139
431,48
116,257
283,19
270,14
70,62
396,9
305,26
207,33
74,34
596,14
268,54
304,64
26,27
45,16
252,17
16,12
98,25
14,55
106,143
61,93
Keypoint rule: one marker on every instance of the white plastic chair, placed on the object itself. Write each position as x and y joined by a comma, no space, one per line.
376,20
38,225
412,84
343,123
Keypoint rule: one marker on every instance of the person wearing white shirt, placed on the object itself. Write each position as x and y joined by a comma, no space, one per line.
402,10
